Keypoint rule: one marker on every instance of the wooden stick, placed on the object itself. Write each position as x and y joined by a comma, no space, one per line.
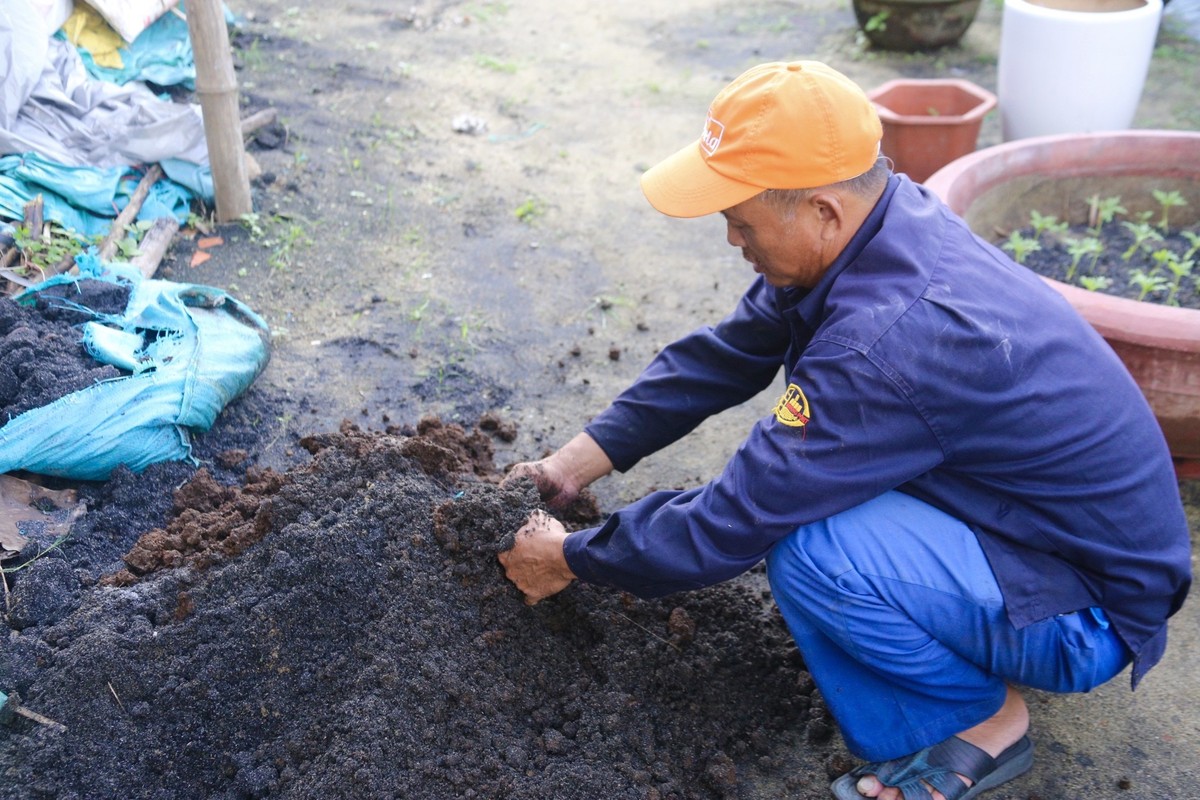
216,87
11,704
259,119
154,245
129,212
36,717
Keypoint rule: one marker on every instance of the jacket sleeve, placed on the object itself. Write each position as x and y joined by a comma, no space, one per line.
861,436
702,374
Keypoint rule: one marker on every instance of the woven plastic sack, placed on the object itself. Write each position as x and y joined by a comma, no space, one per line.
190,350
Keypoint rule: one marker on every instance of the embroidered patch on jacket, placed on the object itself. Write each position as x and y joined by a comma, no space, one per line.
792,408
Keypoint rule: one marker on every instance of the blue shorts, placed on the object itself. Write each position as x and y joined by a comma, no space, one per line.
902,625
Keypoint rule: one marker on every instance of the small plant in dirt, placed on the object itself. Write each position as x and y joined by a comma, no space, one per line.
1143,233
530,210
1095,283
1167,201
283,236
1078,249
1192,238
1043,224
1179,270
495,64
1143,254
1147,283
1103,211
1021,246
42,251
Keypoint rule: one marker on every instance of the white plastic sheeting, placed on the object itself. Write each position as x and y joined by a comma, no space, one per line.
49,105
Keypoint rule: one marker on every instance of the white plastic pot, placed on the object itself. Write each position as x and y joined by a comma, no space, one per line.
1073,66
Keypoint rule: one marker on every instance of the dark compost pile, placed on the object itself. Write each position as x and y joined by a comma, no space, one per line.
344,630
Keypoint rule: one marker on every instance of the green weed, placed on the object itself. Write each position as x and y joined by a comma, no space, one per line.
495,64
530,210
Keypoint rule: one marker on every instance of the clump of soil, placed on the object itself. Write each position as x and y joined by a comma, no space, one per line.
366,644
42,357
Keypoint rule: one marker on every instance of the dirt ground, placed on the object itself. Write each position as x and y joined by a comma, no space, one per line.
511,267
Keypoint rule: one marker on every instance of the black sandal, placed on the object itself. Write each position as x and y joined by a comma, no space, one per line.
939,767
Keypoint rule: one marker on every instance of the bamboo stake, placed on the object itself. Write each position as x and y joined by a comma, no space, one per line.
216,86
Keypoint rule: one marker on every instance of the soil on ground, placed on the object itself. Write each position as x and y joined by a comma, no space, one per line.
344,630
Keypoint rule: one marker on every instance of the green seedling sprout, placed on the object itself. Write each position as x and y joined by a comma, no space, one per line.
1167,201
1147,282
1078,248
1095,283
1180,269
1021,246
1103,211
1045,223
1143,232
1193,239
1161,259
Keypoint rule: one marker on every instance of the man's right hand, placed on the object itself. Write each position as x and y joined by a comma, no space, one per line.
560,477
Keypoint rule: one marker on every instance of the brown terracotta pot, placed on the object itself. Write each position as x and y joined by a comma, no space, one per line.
929,123
994,190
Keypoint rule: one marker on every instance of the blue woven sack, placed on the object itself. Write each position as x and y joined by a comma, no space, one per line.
189,349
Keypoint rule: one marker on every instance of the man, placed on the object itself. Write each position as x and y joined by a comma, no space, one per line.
961,489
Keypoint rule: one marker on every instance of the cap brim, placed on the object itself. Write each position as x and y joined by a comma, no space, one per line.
683,185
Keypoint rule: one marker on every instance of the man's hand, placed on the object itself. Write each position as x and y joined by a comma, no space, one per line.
536,563
555,488
560,478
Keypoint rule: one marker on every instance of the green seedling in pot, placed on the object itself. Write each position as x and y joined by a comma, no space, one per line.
1147,282
1161,258
1180,269
1167,260
1021,246
1103,211
1143,232
1095,283
1078,248
1193,239
1045,223
1167,201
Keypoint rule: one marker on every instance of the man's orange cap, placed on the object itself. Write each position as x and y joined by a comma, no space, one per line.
796,125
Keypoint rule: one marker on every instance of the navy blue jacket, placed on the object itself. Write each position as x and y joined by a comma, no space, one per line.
925,360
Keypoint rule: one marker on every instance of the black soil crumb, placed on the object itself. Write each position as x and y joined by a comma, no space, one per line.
344,630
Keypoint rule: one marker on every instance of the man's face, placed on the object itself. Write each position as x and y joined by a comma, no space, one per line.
786,248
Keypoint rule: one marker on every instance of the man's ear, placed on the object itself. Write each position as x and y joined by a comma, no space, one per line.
829,209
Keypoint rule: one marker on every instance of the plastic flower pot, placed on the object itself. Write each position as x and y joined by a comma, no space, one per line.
929,123
1073,66
995,188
